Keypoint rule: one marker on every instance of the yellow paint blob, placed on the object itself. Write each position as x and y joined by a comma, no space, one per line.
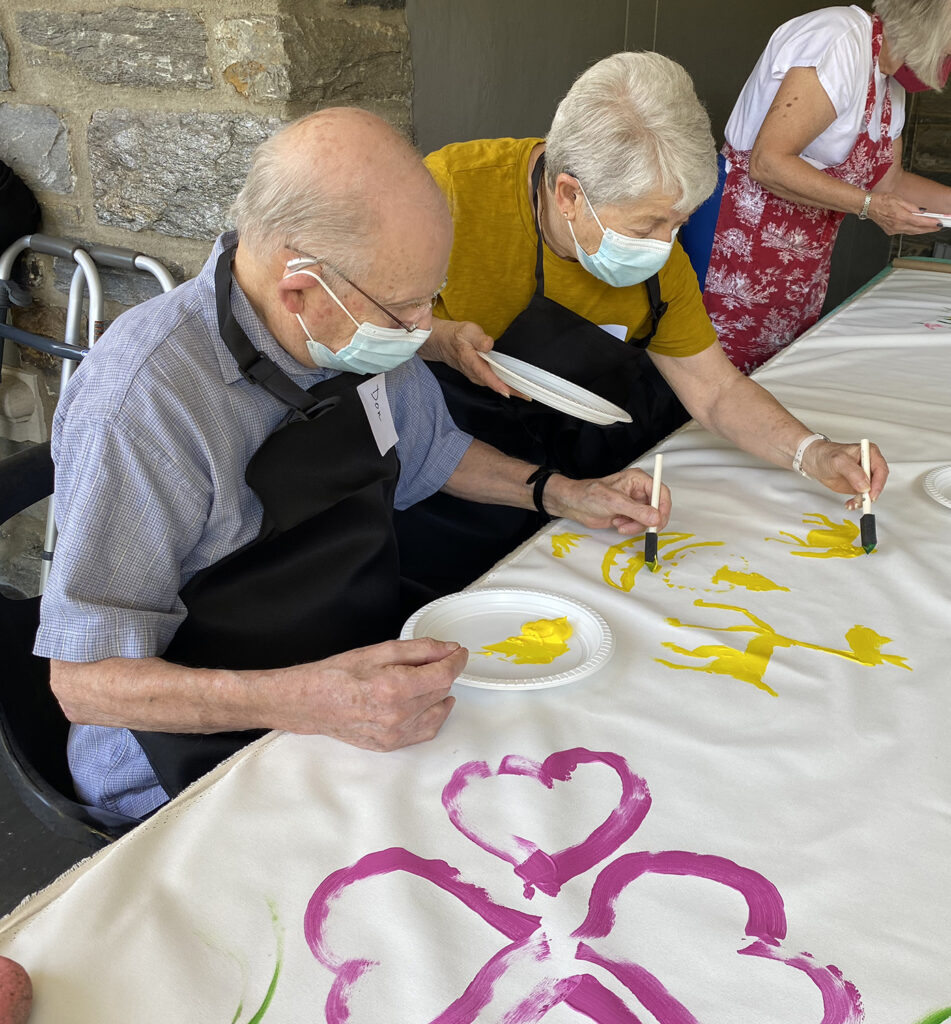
750,580
749,665
539,643
562,543
830,540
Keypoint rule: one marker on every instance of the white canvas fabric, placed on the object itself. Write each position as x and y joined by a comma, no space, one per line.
744,816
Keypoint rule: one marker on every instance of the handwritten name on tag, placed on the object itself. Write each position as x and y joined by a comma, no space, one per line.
372,393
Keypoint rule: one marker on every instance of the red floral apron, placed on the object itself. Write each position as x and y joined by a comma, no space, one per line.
769,268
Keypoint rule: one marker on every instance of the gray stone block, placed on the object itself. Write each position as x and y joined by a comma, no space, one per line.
4,65
386,5
123,46
173,173
251,58
35,143
334,60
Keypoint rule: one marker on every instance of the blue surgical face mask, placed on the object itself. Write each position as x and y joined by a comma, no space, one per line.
372,349
620,260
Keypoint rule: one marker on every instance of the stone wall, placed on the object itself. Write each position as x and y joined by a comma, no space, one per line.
134,124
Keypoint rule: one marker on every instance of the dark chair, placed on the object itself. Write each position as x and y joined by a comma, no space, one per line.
33,728
696,236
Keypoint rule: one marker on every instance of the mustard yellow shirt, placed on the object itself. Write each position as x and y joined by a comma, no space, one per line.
492,267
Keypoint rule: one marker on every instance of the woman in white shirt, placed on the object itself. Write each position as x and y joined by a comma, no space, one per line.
816,134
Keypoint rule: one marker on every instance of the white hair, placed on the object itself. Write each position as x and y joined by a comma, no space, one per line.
917,32
632,124
284,204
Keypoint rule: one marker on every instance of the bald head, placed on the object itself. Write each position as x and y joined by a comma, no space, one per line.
340,183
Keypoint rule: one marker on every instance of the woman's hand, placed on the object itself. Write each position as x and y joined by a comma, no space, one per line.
458,344
896,216
839,467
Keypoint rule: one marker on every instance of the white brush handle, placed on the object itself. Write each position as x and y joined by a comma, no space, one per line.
655,488
866,465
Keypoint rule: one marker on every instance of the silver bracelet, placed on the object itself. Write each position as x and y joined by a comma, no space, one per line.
868,202
801,451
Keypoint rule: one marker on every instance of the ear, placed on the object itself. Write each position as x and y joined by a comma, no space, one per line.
568,197
291,289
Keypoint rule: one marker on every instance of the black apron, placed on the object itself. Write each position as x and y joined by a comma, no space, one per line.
321,577
447,542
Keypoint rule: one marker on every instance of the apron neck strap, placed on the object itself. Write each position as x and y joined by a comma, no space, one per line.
537,172
254,365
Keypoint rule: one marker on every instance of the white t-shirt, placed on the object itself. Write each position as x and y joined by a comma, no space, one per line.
837,42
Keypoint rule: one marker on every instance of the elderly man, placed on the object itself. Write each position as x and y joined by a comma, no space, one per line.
227,462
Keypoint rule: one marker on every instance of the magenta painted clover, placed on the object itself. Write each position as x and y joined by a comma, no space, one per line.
528,943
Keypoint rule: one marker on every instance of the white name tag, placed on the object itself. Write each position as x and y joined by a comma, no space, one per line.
616,330
372,393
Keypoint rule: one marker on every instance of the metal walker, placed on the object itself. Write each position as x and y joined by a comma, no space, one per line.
71,350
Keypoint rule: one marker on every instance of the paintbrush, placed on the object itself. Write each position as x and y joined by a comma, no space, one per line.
867,522
650,537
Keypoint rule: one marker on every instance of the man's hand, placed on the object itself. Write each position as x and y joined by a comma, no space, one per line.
621,500
458,344
383,697
839,467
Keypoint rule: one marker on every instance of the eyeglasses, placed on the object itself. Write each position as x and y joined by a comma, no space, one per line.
425,305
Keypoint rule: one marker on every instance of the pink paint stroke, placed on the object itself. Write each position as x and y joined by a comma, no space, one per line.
841,1000
642,984
582,992
512,923
592,999
541,870
766,919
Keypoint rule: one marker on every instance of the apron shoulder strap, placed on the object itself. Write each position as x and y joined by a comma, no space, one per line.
658,309
537,172
254,365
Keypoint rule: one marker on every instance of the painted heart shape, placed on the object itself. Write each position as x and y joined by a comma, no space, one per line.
765,924
539,869
529,946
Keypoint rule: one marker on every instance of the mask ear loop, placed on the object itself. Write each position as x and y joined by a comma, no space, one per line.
590,207
673,233
326,288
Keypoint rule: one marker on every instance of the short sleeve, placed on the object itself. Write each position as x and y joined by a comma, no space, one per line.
840,54
127,519
430,445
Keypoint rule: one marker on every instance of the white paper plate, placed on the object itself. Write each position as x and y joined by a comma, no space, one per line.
938,485
555,391
944,219
477,618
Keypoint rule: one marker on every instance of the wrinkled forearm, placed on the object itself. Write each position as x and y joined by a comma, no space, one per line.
487,476
790,177
159,696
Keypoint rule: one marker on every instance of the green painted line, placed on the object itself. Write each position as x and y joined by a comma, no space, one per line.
279,935
237,1013
938,1017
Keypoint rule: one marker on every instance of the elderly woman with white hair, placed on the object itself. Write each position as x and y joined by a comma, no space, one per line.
565,255
814,135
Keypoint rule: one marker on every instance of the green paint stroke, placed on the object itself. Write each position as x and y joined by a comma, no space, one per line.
269,995
938,1017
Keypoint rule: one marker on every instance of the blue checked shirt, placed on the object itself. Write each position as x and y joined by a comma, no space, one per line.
151,439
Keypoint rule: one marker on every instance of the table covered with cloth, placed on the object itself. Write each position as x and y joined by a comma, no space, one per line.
742,817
